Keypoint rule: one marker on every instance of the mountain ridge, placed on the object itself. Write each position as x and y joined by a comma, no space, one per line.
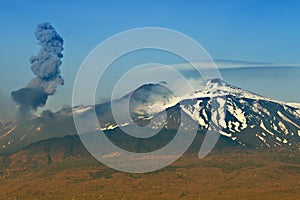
248,119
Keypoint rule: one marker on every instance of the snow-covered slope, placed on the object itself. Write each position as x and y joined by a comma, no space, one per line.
241,116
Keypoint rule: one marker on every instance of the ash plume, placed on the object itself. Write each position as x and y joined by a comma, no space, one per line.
45,66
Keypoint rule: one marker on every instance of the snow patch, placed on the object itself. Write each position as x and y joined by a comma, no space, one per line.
225,134
204,114
8,132
239,114
221,112
80,110
195,113
283,128
287,119
265,129
261,138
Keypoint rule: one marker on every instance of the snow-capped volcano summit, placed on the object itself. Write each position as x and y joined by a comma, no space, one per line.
218,87
241,116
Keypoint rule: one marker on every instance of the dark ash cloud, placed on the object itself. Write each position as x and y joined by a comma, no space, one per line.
45,65
29,98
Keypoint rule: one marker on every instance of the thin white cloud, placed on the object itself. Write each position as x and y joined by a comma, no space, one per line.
228,64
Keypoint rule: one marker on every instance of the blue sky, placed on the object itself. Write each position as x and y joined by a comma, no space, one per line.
265,31
260,31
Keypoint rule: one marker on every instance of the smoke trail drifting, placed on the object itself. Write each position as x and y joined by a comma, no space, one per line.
46,68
